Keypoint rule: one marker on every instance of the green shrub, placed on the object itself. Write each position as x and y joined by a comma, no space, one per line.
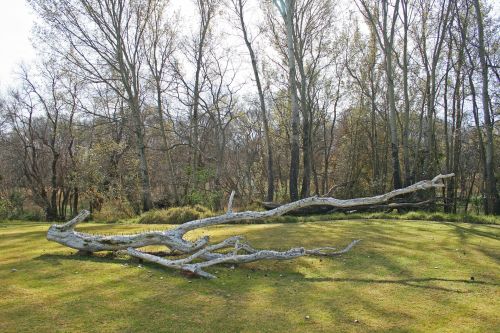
201,209
5,209
33,214
175,215
114,211
12,205
255,206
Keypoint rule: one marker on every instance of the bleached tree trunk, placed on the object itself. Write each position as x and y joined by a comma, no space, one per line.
200,249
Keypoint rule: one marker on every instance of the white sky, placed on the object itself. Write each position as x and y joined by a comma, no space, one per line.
16,21
16,24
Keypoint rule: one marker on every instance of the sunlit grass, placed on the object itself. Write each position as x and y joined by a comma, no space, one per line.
403,276
413,215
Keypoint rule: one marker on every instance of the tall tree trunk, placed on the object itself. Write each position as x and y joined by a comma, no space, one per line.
458,97
389,42
52,211
74,203
306,134
195,124
295,116
168,157
475,113
263,111
447,192
406,115
131,85
206,13
386,41
492,198
147,202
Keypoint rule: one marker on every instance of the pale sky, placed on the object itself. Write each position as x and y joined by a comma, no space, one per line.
16,22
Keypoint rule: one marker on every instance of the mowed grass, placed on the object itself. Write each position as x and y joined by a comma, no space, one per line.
403,277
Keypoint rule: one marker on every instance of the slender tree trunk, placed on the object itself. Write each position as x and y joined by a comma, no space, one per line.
168,157
147,202
492,197
406,115
457,118
295,115
448,190
475,112
205,22
53,212
74,203
396,173
306,135
263,111
195,124
386,40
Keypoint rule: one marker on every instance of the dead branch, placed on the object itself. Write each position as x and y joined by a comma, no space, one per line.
206,255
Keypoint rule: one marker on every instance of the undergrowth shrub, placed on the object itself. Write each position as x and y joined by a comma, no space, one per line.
175,215
113,211
11,206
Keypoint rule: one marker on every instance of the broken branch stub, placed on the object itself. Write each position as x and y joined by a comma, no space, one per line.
199,254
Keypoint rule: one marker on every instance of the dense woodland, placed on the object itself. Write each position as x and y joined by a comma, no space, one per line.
137,104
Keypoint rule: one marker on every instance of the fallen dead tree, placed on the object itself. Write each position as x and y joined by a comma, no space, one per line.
199,254
325,209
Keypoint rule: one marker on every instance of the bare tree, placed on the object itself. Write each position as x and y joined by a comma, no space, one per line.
160,44
42,120
287,9
239,8
207,10
104,42
219,104
434,26
384,24
313,22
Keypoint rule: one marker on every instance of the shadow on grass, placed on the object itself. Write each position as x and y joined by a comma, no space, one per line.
464,233
258,296
408,282
108,257
103,258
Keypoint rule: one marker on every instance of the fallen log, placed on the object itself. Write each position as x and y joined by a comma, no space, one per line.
326,209
199,254
312,210
388,207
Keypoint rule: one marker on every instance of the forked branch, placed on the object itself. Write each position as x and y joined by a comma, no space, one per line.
199,254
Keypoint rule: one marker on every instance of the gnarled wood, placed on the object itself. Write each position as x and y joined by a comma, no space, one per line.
200,250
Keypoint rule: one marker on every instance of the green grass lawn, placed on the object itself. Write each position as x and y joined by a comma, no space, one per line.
403,277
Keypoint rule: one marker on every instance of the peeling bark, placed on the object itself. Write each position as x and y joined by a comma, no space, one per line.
205,254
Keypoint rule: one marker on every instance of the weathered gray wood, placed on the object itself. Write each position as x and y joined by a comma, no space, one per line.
233,257
328,209
199,249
